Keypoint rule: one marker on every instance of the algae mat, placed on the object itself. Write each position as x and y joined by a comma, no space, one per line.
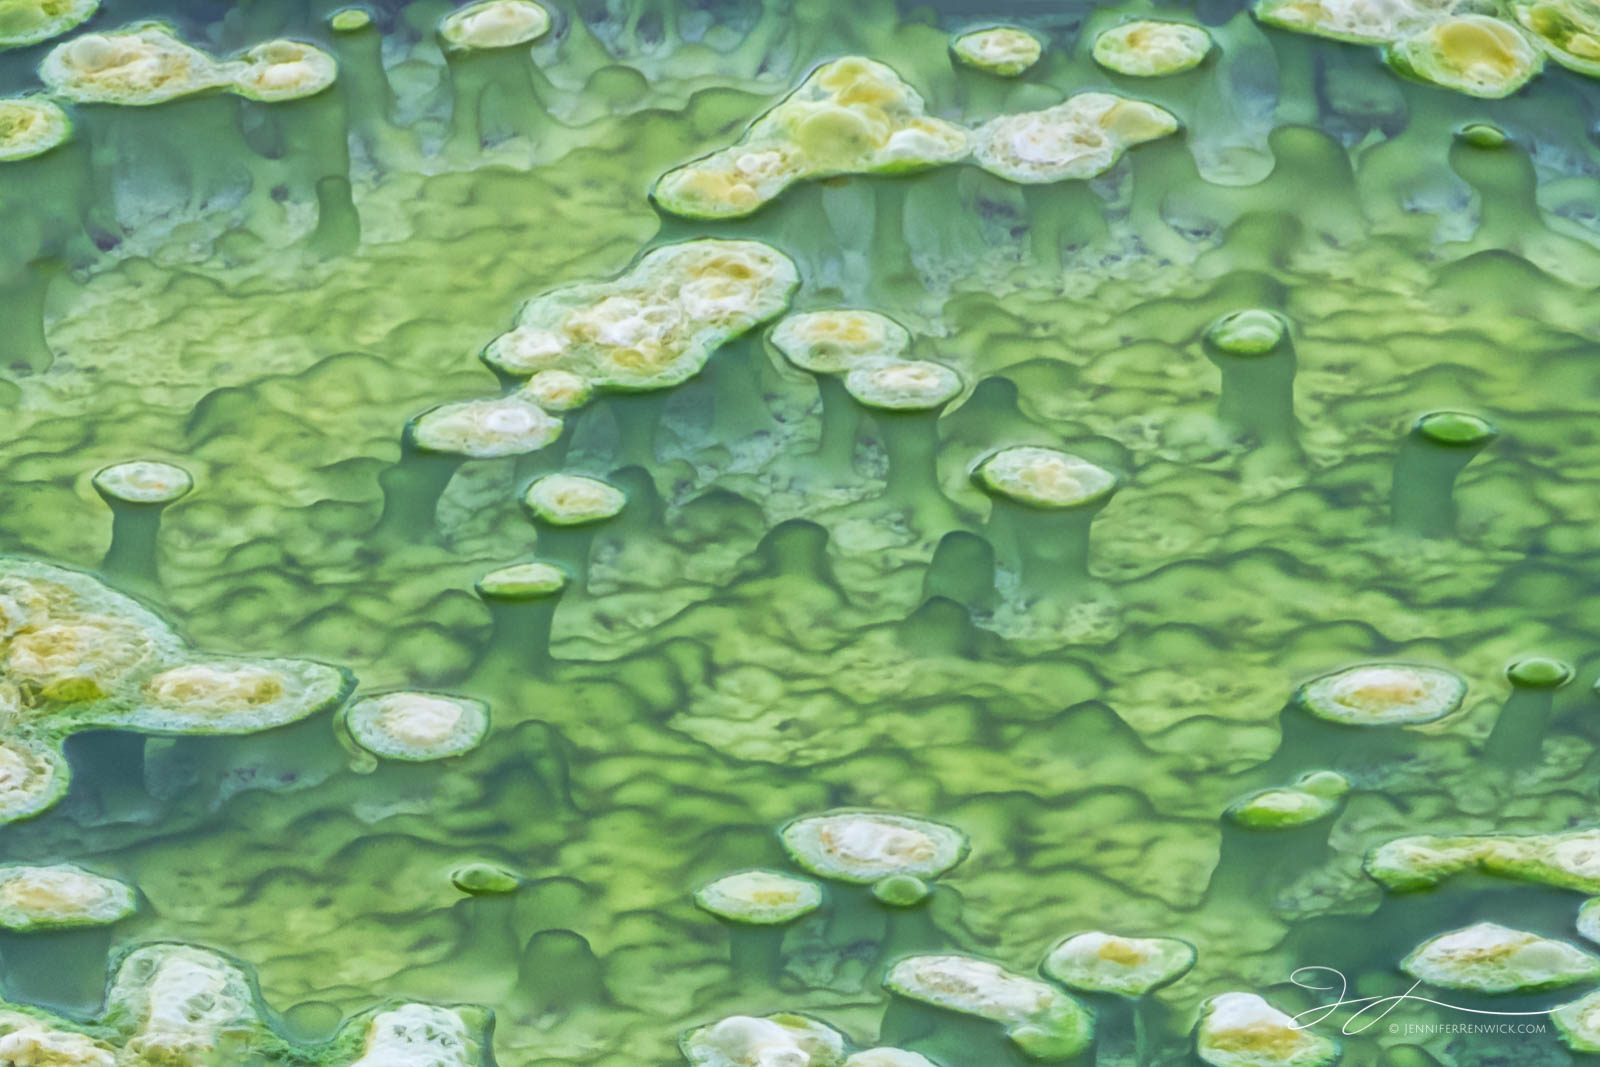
797,533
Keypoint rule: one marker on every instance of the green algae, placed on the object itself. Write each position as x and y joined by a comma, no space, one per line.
704,683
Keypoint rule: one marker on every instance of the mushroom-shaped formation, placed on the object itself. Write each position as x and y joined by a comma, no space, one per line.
1567,30
1314,797
1097,962
1569,860
1003,50
31,126
136,66
485,429
1149,48
368,97
839,341
1383,694
494,24
177,1004
657,324
851,116
1042,1021
1356,21
758,904
1474,54
573,500
1578,1023
1489,958
423,1034
138,492
417,726
1272,836
864,846
29,1040
1253,351
905,397
25,22
1251,332
567,509
495,86
760,897
557,390
1078,139
887,1057
437,442
1518,732
522,602
484,879
748,1041
1438,448
1243,1030
59,897
283,70
1045,502
830,344
142,482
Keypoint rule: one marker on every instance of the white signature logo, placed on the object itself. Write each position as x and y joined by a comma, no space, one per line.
1302,979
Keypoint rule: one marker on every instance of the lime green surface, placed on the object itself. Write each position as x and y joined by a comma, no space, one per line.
795,610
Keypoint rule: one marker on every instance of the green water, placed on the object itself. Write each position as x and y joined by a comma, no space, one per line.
753,640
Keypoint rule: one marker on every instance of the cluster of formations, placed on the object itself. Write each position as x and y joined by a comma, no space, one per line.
1474,49
178,1004
887,860
852,116
80,656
